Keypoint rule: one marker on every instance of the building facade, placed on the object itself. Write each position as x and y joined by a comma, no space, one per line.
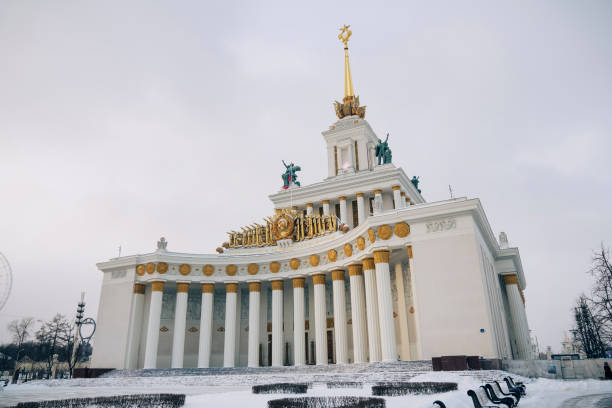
357,268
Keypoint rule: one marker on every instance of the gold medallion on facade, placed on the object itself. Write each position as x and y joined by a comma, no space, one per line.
162,267
360,243
314,260
184,269
401,229
371,235
208,270
332,255
252,269
283,226
294,263
348,250
274,267
231,270
384,232
150,268
140,270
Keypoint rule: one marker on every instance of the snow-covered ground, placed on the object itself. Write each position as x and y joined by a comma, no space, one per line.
227,391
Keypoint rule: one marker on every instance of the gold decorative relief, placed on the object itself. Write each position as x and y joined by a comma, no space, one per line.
274,267
163,329
208,270
192,329
360,243
314,260
231,270
384,232
150,268
294,263
348,250
140,270
401,229
332,255
371,235
252,269
185,269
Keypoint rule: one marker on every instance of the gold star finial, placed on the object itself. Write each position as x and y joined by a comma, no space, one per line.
345,34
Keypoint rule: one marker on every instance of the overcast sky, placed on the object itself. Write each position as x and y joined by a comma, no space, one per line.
121,122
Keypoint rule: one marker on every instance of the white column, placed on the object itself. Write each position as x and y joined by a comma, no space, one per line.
388,346
397,195
371,294
180,321
515,303
157,289
361,212
402,314
403,199
229,346
131,355
343,217
325,207
340,316
308,208
378,202
277,323
299,324
320,319
526,330
254,302
358,313
206,320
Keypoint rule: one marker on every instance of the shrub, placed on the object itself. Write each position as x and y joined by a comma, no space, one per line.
403,388
118,401
280,388
327,402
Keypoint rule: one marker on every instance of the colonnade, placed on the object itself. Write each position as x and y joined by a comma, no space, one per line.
373,326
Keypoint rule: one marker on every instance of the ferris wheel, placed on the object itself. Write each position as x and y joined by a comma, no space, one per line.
6,280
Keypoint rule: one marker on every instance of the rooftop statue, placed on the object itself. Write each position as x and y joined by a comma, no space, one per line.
162,244
415,182
383,152
290,175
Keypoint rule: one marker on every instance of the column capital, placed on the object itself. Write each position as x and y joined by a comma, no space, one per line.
182,287
359,195
208,288
381,256
157,286
355,269
403,194
368,264
308,205
318,279
409,251
511,279
231,287
139,288
396,188
298,282
338,275
377,191
294,207
326,202
254,286
342,198
277,284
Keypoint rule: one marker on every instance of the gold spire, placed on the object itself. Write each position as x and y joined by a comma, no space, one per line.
344,36
350,102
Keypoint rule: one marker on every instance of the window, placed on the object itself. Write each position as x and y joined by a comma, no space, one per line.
355,213
337,210
371,200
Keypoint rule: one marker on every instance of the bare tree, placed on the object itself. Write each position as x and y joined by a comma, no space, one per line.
601,298
587,331
21,331
55,337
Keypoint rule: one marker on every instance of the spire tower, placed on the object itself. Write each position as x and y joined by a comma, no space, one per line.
350,102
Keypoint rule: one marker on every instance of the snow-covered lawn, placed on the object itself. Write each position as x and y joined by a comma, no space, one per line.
235,390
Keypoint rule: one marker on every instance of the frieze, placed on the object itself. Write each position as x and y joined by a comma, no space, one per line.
441,225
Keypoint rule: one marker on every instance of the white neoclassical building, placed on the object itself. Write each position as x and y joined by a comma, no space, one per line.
356,268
